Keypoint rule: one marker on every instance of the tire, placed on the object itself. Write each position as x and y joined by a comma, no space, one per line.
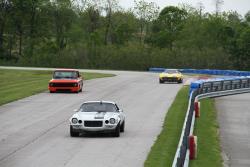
80,89
116,133
72,133
123,126
181,81
51,91
160,81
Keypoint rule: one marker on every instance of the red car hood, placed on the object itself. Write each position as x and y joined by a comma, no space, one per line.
63,80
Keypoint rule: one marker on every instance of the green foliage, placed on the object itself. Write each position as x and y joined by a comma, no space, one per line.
102,35
167,27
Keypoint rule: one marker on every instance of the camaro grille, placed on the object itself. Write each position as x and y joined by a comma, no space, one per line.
63,85
93,123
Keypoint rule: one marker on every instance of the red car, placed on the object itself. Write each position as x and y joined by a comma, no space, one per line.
66,79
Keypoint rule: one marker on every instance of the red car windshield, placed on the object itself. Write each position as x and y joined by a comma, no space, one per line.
65,74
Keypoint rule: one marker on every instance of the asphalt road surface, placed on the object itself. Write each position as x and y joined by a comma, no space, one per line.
234,121
35,130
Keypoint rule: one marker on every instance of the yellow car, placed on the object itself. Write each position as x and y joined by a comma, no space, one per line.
171,75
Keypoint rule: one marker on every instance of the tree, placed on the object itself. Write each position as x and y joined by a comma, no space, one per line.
168,25
218,4
63,15
146,13
241,50
125,26
110,6
247,17
4,9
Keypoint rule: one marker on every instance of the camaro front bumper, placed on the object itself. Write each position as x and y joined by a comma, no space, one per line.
104,128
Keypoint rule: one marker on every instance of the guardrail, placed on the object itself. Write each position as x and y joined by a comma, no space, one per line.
206,71
199,90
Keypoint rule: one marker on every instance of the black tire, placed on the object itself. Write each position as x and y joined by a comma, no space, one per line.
80,89
123,126
72,133
51,92
160,81
180,81
116,133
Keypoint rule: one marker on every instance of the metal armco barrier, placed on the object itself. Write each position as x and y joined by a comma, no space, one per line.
205,71
199,90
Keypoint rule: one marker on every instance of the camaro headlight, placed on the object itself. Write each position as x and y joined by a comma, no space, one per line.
75,84
112,120
74,120
51,84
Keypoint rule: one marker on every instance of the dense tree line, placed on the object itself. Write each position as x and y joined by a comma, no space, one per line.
100,34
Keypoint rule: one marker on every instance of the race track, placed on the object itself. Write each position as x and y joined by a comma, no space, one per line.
234,122
35,130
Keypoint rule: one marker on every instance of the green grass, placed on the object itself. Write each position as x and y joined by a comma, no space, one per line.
163,151
17,84
206,129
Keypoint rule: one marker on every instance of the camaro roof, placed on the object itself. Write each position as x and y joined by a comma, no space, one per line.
99,102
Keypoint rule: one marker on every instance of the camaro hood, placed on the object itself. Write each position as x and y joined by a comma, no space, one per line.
95,115
63,80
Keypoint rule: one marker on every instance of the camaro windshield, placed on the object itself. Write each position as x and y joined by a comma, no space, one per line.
171,71
65,74
98,107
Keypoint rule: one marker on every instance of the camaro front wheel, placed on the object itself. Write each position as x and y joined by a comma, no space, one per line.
116,133
123,126
72,133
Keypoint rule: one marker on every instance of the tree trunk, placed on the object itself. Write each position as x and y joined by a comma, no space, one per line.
107,31
1,40
32,29
141,32
20,42
2,26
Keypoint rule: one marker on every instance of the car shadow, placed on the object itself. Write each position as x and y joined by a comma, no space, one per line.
96,135
64,92
171,83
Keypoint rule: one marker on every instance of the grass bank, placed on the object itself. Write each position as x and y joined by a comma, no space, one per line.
17,84
163,151
206,128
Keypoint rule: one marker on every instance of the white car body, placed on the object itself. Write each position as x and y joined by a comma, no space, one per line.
112,121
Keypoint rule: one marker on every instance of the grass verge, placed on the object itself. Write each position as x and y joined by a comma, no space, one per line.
163,151
206,129
17,84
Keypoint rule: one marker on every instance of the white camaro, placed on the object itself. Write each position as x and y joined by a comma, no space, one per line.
98,116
